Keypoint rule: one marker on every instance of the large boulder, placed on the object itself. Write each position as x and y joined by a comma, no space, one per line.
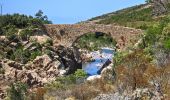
94,77
40,38
108,73
43,61
107,63
70,57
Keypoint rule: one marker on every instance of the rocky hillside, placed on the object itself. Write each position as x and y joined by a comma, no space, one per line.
140,16
116,13
28,55
160,6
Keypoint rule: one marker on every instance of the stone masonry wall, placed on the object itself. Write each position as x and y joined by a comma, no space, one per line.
66,34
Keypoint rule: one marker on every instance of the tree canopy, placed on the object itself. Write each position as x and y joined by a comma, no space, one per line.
43,18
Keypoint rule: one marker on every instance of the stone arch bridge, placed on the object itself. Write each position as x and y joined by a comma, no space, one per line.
66,34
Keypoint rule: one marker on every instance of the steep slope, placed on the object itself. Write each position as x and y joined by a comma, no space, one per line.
140,16
122,11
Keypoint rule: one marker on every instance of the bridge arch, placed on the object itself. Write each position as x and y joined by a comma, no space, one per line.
67,34
96,33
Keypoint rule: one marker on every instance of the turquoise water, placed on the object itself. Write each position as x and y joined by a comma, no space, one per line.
91,68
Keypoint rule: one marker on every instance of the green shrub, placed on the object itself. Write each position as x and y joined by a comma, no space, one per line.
47,51
62,83
167,44
34,54
166,31
22,21
153,34
54,85
10,31
39,15
118,58
165,39
67,80
92,42
143,26
17,91
24,34
38,45
49,42
20,55
80,73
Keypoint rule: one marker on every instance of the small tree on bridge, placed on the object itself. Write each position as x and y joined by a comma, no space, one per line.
43,18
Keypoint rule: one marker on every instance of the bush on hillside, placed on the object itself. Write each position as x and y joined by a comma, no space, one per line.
166,35
80,73
166,32
24,34
131,16
17,91
153,34
129,73
48,43
167,44
9,23
20,55
19,21
10,31
67,81
118,58
22,21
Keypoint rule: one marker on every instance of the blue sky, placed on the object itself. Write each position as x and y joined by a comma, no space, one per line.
66,11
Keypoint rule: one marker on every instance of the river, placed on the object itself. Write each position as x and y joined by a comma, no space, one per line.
100,57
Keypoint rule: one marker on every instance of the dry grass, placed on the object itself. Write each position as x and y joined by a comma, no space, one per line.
131,72
91,89
138,72
37,94
84,91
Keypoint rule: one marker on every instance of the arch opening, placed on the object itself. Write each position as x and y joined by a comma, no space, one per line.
93,41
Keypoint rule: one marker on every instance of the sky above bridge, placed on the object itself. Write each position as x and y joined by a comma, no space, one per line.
66,11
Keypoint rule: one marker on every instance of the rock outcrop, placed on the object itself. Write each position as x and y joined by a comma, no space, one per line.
160,6
42,70
94,77
40,39
70,58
